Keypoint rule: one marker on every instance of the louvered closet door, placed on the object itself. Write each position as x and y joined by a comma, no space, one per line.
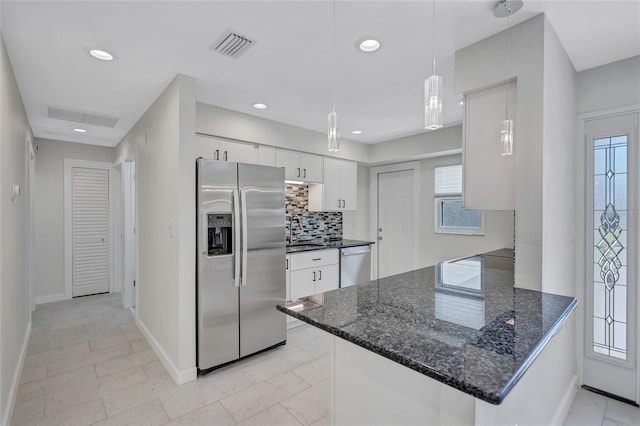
90,231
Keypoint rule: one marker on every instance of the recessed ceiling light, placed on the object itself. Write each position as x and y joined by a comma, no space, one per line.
260,106
103,55
368,44
356,132
78,130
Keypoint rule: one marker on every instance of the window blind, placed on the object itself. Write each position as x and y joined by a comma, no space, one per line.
448,180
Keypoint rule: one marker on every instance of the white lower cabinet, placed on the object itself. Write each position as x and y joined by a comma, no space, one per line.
313,272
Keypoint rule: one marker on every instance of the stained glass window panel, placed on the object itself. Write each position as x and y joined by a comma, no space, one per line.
609,246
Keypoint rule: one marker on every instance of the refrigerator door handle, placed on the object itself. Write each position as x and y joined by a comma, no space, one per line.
245,251
236,238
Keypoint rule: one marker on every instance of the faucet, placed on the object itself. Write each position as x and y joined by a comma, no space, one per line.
293,216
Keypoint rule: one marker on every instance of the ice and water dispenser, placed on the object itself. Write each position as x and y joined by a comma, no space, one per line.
220,235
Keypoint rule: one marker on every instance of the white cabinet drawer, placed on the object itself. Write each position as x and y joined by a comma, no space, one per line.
314,259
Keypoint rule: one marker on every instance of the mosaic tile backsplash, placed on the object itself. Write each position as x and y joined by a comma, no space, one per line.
316,227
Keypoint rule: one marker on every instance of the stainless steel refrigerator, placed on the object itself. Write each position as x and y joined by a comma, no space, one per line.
240,261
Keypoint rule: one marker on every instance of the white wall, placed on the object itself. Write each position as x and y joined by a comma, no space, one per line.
15,306
609,86
426,144
482,65
558,168
165,179
434,247
49,211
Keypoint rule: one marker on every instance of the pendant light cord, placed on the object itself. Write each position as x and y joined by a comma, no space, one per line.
506,55
433,39
333,57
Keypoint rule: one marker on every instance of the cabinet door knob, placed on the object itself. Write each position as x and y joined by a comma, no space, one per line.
314,276
320,274
344,204
338,202
225,156
216,155
298,171
305,173
379,238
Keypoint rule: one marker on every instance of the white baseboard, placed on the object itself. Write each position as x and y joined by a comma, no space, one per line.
565,403
50,298
13,392
178,376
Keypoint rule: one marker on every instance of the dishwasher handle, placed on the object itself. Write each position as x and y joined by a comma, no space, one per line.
355,251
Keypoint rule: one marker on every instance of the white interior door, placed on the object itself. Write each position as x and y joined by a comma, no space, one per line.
90,231
611,350
396,243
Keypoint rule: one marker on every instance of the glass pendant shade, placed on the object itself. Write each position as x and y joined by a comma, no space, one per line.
433,102
334,133
506,137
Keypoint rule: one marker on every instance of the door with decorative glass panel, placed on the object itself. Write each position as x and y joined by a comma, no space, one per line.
611,323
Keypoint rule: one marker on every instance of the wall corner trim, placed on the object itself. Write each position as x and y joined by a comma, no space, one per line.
179,376
15,383
51,298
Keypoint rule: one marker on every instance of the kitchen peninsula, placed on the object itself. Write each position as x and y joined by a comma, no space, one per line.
454,343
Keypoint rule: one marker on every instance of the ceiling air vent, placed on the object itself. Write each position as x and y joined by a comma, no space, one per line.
233,45
67,114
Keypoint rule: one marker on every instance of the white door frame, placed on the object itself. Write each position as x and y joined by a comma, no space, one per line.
581,253
373,179
69,163
130,273
31,158
117,235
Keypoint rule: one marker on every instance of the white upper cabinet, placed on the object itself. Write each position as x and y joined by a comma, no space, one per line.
488,176
299,165
267,156
224,150
340,188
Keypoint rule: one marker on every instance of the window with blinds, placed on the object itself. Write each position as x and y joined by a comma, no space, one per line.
450,216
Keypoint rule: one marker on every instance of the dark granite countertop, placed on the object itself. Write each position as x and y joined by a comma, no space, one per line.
334,244
461,322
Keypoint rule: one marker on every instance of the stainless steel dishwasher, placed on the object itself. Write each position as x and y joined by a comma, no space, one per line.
355,265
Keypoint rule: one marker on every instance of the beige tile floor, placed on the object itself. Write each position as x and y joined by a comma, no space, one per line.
589,409
87,364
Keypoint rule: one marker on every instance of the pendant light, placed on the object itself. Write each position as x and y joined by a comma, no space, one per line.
505,8
334,131
433,88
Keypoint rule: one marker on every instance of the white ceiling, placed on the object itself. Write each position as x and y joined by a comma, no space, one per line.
289,68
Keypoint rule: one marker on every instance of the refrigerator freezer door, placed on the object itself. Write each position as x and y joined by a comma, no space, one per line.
263,284
218,337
